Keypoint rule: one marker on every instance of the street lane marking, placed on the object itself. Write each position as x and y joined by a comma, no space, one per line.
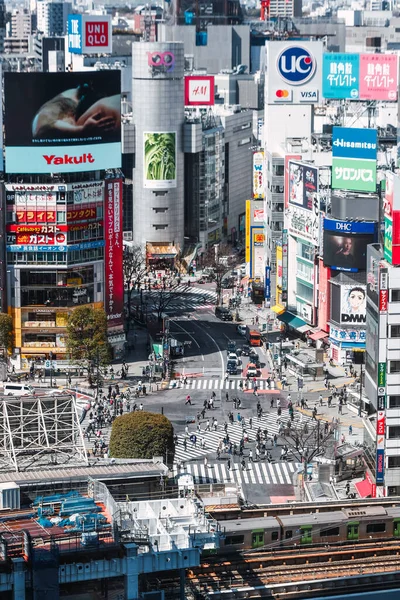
265,471
274,480
257,469
286,473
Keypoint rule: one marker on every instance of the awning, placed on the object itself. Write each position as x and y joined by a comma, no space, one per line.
278,309
158,349
161,251
294,321
364,488
318,335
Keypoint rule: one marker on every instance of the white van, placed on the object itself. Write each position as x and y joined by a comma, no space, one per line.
18,389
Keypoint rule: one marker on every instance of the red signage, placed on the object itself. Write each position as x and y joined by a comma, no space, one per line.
199,90
37,228
383,300
373,491
381,424
96,33
41,238
35,216
114,280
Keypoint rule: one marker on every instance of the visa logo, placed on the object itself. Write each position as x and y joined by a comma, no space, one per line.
309,95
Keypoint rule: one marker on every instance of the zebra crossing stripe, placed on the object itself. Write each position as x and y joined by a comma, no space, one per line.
286,473
265,471
208,384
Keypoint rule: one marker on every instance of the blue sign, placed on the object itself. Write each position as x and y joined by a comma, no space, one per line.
349,227
380,465
267,291
34,248
75,34
354,143
296,65
340,76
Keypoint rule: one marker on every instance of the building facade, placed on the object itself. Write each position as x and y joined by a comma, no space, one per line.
52,16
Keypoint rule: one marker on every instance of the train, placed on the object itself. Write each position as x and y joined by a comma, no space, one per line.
295,530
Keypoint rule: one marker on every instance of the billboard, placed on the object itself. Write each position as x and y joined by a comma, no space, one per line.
353,304
391,209
378,76
345,244
288,159
303,185
354,153
258,175
199,90
360,76
159,161
294,72
114,281
63,122
340,76
89,34
380,465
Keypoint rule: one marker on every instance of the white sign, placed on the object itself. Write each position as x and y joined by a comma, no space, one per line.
353,304
294,72
258,175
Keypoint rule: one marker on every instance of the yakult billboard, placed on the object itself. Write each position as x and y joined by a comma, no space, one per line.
62,122
114,280
89,34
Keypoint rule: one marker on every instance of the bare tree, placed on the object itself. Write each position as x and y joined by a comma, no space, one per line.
220,259
307,441
134,267
162,298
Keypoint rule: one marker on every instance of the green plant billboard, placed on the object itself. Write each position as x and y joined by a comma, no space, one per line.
159,160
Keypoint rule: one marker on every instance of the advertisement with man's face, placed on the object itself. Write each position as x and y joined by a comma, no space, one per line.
159,160
353,304
62,122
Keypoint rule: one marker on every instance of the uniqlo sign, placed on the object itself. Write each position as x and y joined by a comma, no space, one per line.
199,90
89,34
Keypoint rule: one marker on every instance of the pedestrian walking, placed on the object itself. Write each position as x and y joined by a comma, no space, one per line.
350,430
141,406
205,461
215,424
250,455
229,464
188,400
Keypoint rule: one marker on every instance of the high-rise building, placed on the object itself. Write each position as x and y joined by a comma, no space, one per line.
158,178
21,23
52,16
285,8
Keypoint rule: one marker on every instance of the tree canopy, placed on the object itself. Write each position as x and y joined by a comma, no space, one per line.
87,336
6,331
142,434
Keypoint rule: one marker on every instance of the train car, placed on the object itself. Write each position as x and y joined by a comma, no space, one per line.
243,534
297,530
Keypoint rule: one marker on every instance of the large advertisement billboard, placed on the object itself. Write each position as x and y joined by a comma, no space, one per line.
360,76
302,213
199,90
159,161
294,72
345,244
114,281
354,153
353,304
89,34
391,209
258,175
62,122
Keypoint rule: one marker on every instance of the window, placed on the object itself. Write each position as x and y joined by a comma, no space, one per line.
394,432
395,296
376,527
244,141
394,366
231,540
393,462
275,536
330,532
288,534
61,216
395,331
394,402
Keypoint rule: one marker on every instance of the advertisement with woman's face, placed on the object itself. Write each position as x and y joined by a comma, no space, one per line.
346,252
353,304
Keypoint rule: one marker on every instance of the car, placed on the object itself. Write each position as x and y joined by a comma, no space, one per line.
223,313
231,367
252,370
231,346
245,350
241,329
234,356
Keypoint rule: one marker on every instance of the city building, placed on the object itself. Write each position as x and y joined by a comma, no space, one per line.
52,17
158,177
285,9
22,25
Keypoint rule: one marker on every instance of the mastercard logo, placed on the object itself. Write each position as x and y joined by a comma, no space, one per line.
282,94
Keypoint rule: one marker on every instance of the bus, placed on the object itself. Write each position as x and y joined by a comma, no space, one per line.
253,337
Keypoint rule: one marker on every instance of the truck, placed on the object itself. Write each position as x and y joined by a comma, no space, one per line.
253,336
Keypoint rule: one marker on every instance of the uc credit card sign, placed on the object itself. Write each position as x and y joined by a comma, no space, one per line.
294,72
340,76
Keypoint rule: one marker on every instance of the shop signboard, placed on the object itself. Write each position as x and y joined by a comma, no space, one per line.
381,374
258,175
199,90
89,34
114,281
354,153
380,424
63,122
340,77
380,465
353,304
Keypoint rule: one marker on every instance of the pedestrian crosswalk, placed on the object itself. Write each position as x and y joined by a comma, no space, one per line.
183,298
258,473
207,442
199,383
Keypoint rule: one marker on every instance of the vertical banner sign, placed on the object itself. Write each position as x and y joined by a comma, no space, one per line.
258,175
248,223
380,466
381,374
267,293
114,281
284,265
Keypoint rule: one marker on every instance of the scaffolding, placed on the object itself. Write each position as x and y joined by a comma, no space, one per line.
38,431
